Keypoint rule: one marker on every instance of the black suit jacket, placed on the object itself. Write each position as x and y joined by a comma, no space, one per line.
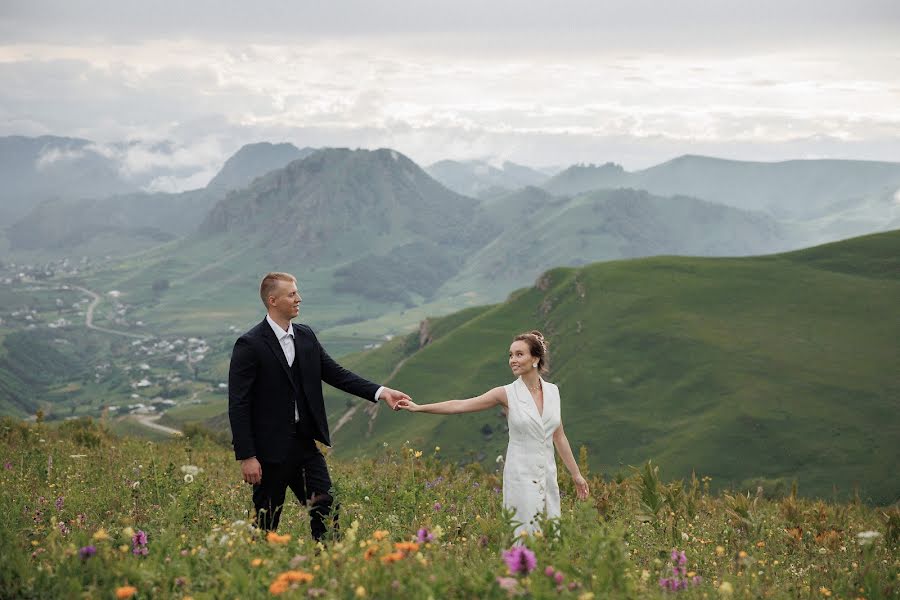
262,391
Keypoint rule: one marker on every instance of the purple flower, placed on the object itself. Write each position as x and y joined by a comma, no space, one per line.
424,536
139,538
59,503
8,466
86,552
63,528
520,560
437,506
549,571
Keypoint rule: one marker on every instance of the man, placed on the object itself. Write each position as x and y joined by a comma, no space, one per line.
277,411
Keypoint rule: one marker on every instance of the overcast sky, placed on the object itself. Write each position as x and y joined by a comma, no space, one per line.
540,83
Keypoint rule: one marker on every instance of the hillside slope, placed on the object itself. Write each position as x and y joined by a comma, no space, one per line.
753,370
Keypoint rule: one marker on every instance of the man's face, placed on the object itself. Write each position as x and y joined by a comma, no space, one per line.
284,301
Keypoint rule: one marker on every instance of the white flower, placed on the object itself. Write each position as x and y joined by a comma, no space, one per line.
499,459
135,485
190,469
188,478
864,538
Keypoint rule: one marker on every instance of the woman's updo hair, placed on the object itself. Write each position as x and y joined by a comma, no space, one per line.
537,345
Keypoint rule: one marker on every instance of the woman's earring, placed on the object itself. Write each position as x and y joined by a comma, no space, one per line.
534,365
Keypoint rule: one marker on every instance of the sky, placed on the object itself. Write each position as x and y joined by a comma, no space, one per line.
534,82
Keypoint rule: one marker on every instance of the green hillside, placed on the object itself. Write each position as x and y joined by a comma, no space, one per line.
754,371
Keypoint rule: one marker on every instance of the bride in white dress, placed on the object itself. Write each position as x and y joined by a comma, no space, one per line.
532,410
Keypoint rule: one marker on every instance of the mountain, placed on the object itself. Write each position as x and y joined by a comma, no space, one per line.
477,178
584,178
94,226
754,371
795,190
546,231
252,161
49,167
394,232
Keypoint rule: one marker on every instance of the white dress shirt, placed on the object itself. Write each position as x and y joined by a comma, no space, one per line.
286,340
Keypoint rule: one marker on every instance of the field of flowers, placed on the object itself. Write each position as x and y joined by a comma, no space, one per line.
89,515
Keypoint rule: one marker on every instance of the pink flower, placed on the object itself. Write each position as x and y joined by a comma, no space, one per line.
520,560
510,584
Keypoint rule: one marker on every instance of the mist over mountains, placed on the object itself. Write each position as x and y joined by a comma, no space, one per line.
381,228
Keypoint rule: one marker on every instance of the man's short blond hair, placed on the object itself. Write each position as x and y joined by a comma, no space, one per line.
269,283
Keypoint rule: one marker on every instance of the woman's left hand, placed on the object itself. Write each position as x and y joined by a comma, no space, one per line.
581,487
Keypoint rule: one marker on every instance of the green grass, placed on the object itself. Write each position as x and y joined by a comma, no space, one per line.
67,488
750,370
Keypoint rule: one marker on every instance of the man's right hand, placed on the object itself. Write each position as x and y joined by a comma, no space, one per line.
251,470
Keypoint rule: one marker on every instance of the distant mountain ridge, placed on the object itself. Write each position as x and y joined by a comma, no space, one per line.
789,189
478,179
252,161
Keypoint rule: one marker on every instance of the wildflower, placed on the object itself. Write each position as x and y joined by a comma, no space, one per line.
190,469
86,552
437,506
499,459
59,503
864,538
360,592
283,582
720,551
139,544
135,485
520,559
188,478
726,589
8,466
510,584
392,557
407,547
437,448
100,535
126,591
274,538
256,562
418,454
424,536
825,591
380,534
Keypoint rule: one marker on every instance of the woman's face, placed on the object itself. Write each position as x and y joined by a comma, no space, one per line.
520,358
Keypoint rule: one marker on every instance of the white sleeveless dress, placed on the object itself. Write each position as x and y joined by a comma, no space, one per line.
529,473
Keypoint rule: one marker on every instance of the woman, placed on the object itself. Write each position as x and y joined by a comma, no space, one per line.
533,413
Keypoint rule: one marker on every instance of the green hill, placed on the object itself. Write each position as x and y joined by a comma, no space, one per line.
754,371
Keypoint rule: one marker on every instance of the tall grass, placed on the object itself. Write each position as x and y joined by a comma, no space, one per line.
89,514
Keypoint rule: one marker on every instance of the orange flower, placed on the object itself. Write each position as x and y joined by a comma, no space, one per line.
283,582
407,547
274,538
126,591
392,557
380,534
296,576
256,562
370,551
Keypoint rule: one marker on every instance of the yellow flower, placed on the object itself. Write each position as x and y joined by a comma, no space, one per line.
418,453
126,591
380,534
128,531
124,548
100,535
437,448
760,544
256,562
726,589
825,591
720,551
360,592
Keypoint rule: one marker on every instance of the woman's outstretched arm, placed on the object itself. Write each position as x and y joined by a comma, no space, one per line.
494,397
565,452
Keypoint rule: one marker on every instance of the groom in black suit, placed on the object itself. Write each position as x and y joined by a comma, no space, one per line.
276,408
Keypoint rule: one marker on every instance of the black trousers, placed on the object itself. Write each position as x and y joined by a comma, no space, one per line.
306,473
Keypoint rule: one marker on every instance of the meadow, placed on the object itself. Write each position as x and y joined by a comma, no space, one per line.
88,514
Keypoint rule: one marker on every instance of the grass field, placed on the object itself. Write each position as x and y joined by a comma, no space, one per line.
89,514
